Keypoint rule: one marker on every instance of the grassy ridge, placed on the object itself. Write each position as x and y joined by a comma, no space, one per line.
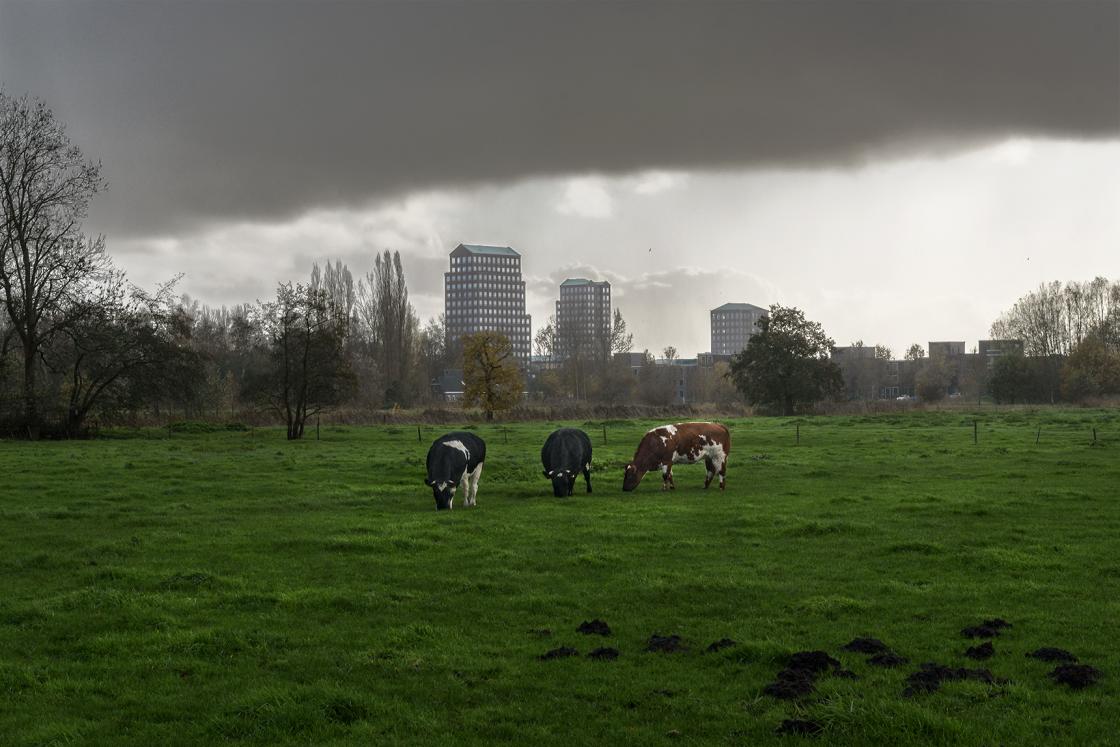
235,586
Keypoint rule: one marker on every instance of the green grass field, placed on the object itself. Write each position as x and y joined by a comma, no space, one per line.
233,586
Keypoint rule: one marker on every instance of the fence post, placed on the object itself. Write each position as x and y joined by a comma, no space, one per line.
418,439
798,435
604,433
974,432
1094,435
1038,435
316,427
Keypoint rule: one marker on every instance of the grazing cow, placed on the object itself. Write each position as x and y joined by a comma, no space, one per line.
565,454
455,459
667,445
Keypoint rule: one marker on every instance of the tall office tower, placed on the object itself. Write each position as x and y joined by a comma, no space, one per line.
732,325
583,316
484,292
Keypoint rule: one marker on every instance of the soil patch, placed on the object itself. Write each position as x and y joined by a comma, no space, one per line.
980,631
791,683
799,678
799,726
983,651
1052,654
721,644
595,627
888,659
605,654
665,644
1076,676
865,646
812,661
997,622
930,676
558,653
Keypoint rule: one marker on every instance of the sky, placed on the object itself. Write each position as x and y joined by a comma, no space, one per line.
900,171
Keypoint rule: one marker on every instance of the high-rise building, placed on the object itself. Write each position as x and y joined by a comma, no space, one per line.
484,292
583,316
732,325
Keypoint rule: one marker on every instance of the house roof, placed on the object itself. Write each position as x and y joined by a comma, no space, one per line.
500,251
739,307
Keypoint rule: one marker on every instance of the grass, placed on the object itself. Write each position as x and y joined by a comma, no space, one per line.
232,586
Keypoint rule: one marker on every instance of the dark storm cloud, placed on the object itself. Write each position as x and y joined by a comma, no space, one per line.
210,112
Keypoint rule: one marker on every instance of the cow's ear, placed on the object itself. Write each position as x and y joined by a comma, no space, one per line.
428,482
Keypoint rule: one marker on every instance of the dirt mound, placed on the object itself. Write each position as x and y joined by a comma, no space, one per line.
865,646
1052,654
721,644
846,674
980,631
792,683
812,661
604,654
989,628
888,659
595,627
983,651
1076,676
558,653
799,726
799,678
665,644
930,676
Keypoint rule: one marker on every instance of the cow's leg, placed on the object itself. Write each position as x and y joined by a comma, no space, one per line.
587,476
474,483
711,471
722,472
665,477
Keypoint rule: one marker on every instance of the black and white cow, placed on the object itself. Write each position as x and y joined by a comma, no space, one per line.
455,460
565,454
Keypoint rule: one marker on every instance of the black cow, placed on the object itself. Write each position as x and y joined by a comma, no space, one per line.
455,459
565,454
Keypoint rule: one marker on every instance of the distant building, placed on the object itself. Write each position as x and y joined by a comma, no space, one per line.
946,349
732,325
484,292
583,315
991,349
845,353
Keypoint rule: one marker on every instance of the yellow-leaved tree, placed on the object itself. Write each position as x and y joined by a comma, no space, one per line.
492,381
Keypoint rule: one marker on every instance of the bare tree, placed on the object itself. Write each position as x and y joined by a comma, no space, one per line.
49,271
306,371
390,322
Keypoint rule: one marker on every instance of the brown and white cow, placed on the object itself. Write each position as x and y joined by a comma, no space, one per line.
685,443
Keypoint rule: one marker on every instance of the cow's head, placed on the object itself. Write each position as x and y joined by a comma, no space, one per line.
632,477
563,482
444,493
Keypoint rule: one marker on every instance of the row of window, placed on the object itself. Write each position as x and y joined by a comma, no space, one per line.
486,261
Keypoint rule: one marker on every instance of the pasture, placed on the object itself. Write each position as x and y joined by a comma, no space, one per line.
217,586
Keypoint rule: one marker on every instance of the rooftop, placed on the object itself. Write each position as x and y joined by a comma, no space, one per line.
581,281
500,251
740,307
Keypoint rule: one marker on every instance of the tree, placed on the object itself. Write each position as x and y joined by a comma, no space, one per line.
306,370
492,381
932,381
915,352
50,273
545,343
390,323
133,344
1092,369
883,353
1010,380
786,362
670,354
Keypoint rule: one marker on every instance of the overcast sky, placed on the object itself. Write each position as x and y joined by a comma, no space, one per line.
901,171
